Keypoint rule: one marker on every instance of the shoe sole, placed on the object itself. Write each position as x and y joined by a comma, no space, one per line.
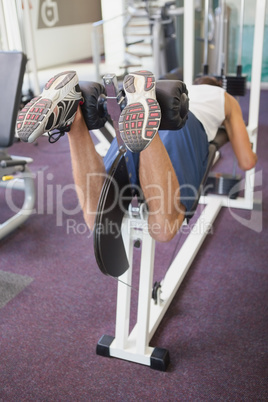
33,118
140,119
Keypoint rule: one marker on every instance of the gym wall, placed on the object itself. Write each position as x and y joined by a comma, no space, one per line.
62,30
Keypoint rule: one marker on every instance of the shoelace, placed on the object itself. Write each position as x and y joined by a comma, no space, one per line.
57,134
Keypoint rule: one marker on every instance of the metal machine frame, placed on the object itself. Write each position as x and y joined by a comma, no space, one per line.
134,346
17,176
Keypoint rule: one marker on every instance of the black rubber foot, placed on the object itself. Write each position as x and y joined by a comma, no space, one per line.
103,346
160,359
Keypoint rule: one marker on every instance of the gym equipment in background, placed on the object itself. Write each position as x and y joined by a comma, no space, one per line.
14,171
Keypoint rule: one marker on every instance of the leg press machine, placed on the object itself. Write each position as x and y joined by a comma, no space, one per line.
154,300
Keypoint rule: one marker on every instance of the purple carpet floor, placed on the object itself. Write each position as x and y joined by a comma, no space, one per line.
55,304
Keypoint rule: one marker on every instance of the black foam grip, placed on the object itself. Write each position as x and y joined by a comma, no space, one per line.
93,107
172,96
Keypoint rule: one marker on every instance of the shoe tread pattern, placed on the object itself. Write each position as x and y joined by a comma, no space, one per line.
37,117
138,126
32,115
131,124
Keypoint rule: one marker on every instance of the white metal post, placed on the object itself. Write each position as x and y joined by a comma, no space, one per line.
206,31
3,28
188,42
29,37
157,45
12,28
255,87
124,292
242,9
182,262
96,48
145,292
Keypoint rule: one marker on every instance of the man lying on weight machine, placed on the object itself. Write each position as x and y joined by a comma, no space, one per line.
167,164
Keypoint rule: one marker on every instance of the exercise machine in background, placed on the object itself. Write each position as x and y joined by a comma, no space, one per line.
14,171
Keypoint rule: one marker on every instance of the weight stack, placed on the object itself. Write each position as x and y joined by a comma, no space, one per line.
236,84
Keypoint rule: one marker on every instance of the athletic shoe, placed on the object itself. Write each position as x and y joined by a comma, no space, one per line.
140,119
54,109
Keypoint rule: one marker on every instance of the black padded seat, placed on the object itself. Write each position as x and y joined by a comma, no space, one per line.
108,242
220,139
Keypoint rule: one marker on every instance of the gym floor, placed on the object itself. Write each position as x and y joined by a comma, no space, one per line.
55,304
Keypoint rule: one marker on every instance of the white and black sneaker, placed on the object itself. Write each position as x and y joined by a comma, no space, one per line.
53,111
140,119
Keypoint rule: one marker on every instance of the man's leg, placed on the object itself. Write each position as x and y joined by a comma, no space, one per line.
57,108
88,168
161,190
138,125
159,184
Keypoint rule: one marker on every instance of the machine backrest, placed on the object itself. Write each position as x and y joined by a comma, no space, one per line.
12,69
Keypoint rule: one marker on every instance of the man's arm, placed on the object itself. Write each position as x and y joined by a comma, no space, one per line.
238,134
